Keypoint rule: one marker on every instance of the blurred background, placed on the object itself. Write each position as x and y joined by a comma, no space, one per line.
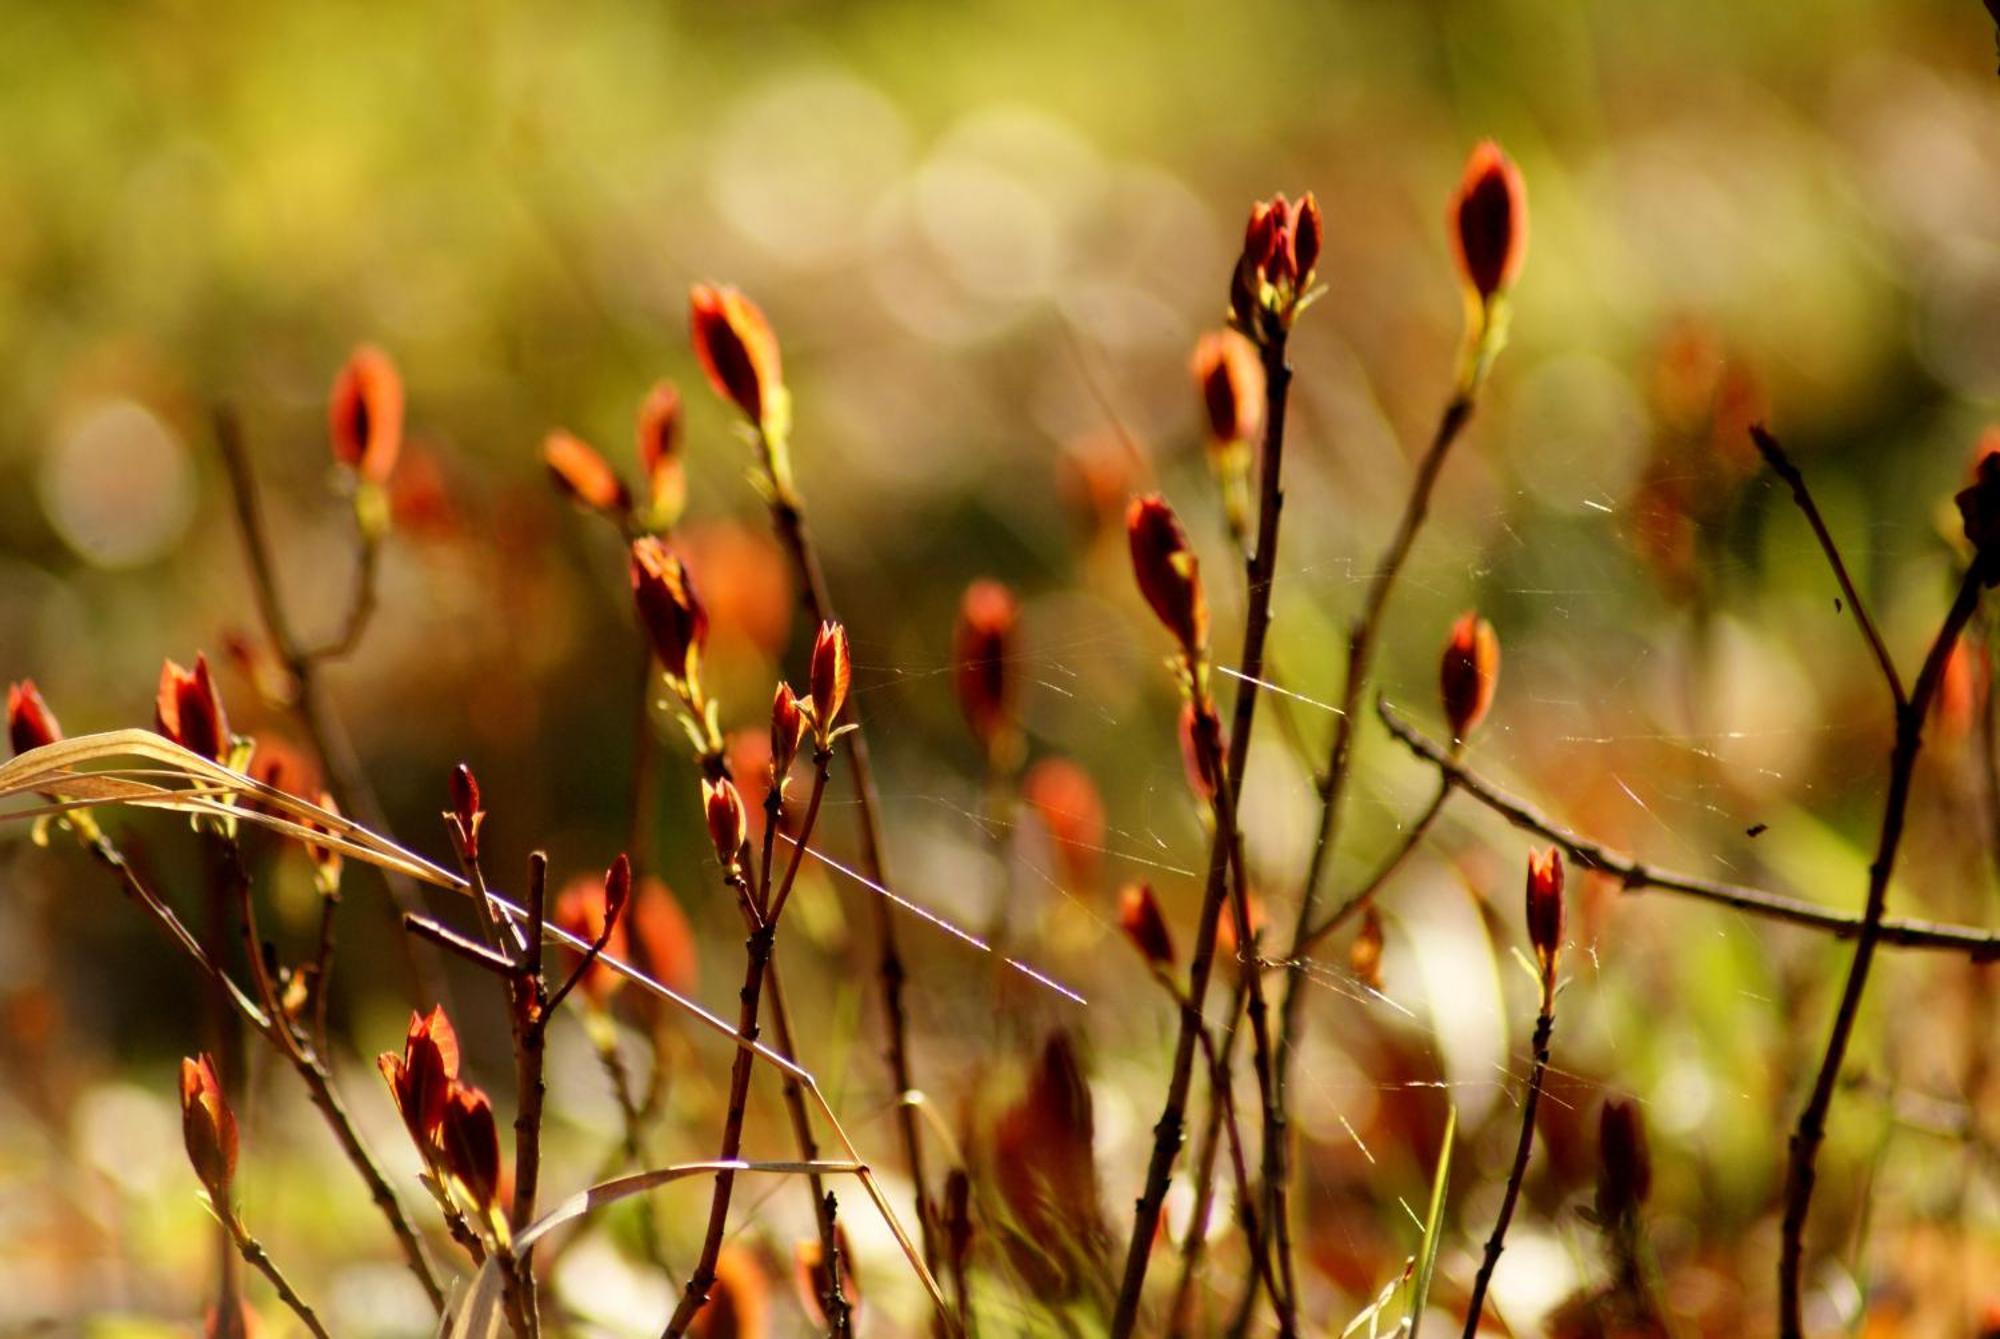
988,235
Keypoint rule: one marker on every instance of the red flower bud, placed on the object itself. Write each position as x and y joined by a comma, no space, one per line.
365,414
739,1304
30,723
1489,221
1231,380
788,732
728,821
1139,917
832,674
583,474
1281,247
665,940
208,1128
659,434
1168,573
1200,768
669,611
736,349
1545,908
465,807
1066,800
982,662
469,1144
583,907
1467,674
1625,1164
188,710
421,1078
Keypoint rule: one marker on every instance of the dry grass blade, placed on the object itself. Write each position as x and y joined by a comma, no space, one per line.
638,1183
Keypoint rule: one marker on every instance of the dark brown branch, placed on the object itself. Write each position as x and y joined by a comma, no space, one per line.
1782,466
1497,1242
1168,1133
451,941
1359,902
1899,932
1801,1170
258,1259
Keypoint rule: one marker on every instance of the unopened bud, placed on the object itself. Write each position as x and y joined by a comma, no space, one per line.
1140,918
669,611
365,414
1168,573
832,675
728,822
737,350
1489,222
982,662
208,1128
1545,909
583,474
188,710
1625,1164
1468,673
30,723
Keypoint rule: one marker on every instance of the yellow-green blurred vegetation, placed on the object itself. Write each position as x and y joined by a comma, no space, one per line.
988,235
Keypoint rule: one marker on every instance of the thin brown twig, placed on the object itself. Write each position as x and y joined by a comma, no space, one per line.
1544,1026
1168,1133
1633,877
259,1259
1365,895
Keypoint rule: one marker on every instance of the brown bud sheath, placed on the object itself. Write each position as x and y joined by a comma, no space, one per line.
583,474
659,434
1168,573
736,349
1545,909
188,710
1625,1164
832,674
1139,917
470,1144
728,821
30,723
465,807
365,414
1489,221
208,1128
1231,381
1468,672
982,661
788,732
669,611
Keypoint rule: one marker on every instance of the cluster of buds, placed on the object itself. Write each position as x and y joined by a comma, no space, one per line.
587,478
1169,577
677,627
1274,275
982,655
1488,224
1468,673
738,352
1230,379
364,418
451,1122
1139,916
1545,917
208,1129
188,710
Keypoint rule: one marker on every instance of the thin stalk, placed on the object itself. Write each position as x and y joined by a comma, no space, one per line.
1632,876
788,517
1801,1169
1544,1025
1360,901
1169,1132
258,1259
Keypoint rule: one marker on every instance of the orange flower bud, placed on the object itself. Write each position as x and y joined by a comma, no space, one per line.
1140,918
1625,1164
669,611
469,1144
421,1078
659,432
1200,768
982,656
664,939
1168,573
30,723
1066,800
832,674
728,821
736,349
788,732
583,474
188,710
465,807
1231,381
739,1304
208,1128
1545,908
365,414
1467,674
1489,221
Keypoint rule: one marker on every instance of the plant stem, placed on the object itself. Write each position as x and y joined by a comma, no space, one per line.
1544,1025
1632,876
788,516
258,1259
1168,1133
1359,902
1801,1171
